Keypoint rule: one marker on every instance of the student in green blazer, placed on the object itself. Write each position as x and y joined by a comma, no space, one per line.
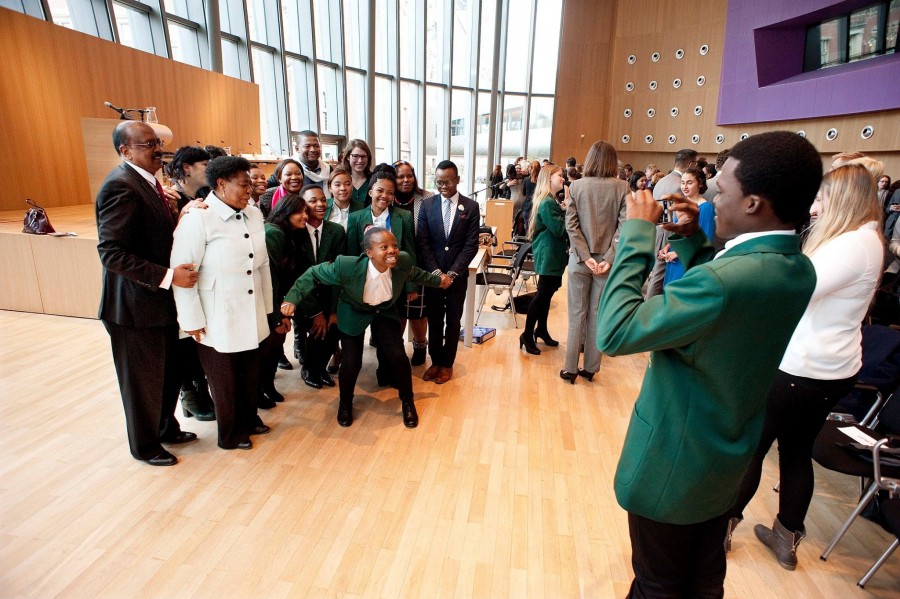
320,241
382,213
369,287
550,247
341,203
716,337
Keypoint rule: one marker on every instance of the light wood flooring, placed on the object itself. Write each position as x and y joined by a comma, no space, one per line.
504,489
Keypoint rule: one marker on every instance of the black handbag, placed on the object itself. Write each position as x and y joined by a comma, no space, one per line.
36,221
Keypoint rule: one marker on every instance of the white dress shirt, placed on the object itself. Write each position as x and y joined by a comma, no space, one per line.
339,215
747,237
382,219
378,288
454,202
233,293
827,343
312,238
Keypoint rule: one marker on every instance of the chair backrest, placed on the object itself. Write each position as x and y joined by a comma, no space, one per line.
521,254
888,420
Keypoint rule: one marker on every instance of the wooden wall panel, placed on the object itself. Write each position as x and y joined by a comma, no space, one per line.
641,27
53,77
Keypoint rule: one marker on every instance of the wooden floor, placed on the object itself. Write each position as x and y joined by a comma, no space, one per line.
504,490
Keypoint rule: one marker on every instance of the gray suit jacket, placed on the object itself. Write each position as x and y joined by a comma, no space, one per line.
595,212
671,183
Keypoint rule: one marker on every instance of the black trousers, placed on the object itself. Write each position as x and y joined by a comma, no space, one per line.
389,338
192,375
147,366
795,413
270,351
444,311
233,380
319,350
677,560
540,305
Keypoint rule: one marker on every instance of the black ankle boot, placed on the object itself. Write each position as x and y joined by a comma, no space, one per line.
526,342
345,413
544,336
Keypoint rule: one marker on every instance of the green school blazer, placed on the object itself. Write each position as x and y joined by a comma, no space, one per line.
348,273
716,338
550,242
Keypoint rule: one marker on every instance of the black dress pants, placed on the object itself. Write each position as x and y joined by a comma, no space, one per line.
233,379
795,413
444,311
677,560
389,338
270,351
540,305
147,366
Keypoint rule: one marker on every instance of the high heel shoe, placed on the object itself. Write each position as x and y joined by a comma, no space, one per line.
568,376
526,342
586,374
546,338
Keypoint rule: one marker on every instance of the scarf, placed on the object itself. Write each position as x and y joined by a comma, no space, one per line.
320,177
280,192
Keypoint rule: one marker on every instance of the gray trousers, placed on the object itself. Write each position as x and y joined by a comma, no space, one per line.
584,290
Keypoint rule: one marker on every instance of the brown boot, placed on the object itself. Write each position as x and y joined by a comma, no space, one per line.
732,524
781,541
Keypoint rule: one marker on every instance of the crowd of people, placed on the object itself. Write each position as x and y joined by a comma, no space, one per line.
205,278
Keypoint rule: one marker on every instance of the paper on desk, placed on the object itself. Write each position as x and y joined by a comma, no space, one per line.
857,435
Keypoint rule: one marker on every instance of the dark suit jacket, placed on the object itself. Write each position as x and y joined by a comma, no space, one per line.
435,250
348,273
135,240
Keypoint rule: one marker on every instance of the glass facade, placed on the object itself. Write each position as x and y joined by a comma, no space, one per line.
415,78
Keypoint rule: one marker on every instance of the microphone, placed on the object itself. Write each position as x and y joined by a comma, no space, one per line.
121,111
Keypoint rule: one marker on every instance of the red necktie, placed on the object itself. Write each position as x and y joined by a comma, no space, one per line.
165,202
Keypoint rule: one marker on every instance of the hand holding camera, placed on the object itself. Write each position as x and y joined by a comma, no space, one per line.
686,211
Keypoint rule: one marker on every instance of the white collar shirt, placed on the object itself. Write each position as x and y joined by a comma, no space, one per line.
312,238
747,237
454,202
378,288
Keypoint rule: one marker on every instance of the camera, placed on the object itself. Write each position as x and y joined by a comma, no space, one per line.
665,217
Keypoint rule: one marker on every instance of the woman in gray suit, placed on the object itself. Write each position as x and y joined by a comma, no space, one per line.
595,212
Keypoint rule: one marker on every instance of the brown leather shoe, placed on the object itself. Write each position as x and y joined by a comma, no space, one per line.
443,376
431,373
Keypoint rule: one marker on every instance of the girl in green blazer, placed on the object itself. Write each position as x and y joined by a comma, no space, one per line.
549,244
382,188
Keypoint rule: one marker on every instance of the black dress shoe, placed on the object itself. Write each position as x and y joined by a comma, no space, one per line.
273,394
284,363
526,342
179,438
334,364
568,376
310,379
260,429
345,414
326,379
248,444
585,374
264,402
298,353
410,417
163,459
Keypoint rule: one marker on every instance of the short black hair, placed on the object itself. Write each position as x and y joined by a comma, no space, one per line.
445,164
122,134
369,234
309,187
225,167
185,155
685,157
383,172
215,151
307,133
721,157
280,167
570,161
700,176
286,206
782,167
634,178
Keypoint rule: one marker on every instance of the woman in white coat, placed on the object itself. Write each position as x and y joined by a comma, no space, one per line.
226,312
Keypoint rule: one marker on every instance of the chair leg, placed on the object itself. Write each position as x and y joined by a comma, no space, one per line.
512,308
873,489
862,581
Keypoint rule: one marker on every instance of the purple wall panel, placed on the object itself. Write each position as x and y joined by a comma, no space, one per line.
762,64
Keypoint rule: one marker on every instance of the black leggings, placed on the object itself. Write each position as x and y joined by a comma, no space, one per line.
540,305
795,413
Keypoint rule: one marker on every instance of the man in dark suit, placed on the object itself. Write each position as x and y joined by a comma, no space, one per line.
134,225
446,240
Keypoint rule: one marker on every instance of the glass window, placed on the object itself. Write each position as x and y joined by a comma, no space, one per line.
86,16
61,14
264,75
185,44
330,100
546,52
301,96
437,68
328,29
256,18
435,132
409,122
410,39
518,33
297,27
482,136
385,120
134,27
356,34
861,34
511,143
463,19
488,31
231,59
540,125
865,39
187,9
385,36
356,105
893,22
231,17
32,8
460,135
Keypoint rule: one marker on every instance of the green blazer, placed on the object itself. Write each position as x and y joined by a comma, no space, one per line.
550,241
354,207
401,226
348,273
716,338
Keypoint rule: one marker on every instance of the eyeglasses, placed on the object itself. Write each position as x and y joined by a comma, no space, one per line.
440,183
358,157
150,145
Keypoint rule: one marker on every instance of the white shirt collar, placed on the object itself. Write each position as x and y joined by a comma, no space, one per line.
147,175
748,236
220,208
378,287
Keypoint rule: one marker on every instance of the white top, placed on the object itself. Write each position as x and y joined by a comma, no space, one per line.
378,287
826,344
340,215
233,293
382,219
748,236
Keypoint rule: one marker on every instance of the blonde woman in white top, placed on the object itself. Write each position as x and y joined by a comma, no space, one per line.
825,353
